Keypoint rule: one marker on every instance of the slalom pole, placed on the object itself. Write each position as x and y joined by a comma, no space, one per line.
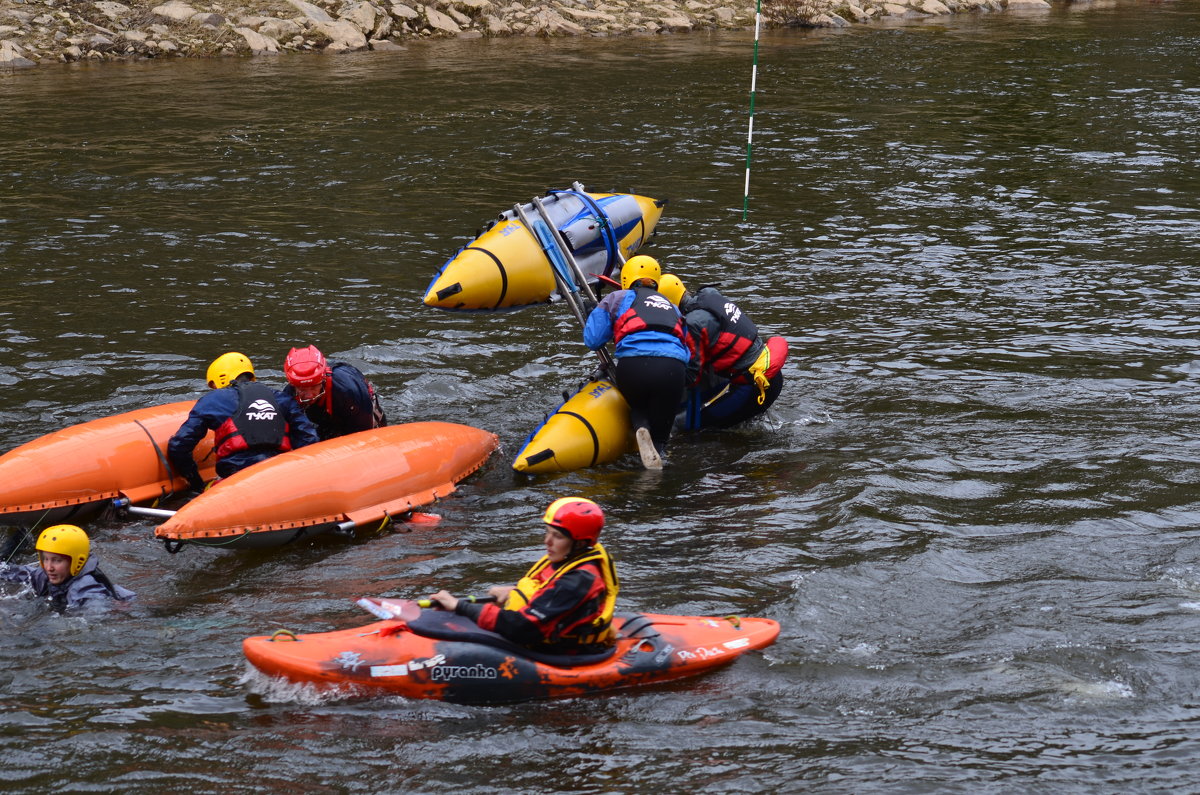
753,86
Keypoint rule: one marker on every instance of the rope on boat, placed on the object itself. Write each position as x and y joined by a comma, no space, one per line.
158,450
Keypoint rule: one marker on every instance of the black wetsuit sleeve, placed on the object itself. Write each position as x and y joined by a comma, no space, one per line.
537,620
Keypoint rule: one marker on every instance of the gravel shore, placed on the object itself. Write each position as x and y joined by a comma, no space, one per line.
54,31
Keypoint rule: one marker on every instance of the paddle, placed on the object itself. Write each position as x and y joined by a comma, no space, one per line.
405,609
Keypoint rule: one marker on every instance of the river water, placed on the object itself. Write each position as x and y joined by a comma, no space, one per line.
973,510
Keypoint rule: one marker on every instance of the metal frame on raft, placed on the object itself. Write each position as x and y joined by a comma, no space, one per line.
566,287
503,269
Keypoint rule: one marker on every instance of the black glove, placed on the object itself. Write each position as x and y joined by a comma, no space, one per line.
588,306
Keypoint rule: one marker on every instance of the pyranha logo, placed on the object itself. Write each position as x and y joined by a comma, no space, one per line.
444,673
260,410
732,311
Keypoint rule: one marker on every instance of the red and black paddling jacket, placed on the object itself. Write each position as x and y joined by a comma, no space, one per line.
729,345
566,608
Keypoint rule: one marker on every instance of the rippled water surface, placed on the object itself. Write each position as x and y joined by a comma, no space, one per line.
973,510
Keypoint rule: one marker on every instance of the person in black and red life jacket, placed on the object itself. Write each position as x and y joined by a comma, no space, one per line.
250,422
336,396
651,353
564,603
738,375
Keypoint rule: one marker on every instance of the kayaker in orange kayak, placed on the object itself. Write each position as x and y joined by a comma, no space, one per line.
564,603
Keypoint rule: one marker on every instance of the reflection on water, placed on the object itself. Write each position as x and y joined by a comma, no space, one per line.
970,510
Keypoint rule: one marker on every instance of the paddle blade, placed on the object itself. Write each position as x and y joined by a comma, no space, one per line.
384,608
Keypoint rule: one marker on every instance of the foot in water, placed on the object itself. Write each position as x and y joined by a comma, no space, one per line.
650,457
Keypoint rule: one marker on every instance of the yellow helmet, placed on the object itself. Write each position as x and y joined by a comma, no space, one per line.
639,267
672,287
226,367
66,539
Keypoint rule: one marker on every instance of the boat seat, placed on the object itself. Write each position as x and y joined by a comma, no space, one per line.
440,625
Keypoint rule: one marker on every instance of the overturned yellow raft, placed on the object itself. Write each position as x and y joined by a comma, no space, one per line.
592,427
511,265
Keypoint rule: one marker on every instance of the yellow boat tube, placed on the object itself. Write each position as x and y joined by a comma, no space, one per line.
591,428
511,266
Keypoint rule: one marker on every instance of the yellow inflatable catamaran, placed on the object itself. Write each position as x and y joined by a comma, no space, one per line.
521,259
592,427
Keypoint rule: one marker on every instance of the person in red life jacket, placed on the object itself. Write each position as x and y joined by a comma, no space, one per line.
336,396
739,375
250,422
651,353
564,603
66,574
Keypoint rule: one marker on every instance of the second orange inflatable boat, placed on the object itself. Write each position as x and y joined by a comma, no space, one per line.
73,472
341,483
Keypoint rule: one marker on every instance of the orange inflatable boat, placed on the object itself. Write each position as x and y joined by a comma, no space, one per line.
439,655
71,473
370,476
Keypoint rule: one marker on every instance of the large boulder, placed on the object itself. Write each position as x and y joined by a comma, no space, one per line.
258,43
279,29
312,12
112,10
343,35
362,15
175,10
933,7
439,21
11,57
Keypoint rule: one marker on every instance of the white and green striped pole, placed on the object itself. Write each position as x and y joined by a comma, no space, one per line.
753,87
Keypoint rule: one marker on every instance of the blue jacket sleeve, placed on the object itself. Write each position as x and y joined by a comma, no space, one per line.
301,431
193,429
598,329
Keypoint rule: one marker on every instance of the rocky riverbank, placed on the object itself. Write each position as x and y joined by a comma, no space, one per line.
36,32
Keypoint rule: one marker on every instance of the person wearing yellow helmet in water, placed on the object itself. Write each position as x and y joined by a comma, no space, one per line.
250,422
564,603
738,375
651,353
66,573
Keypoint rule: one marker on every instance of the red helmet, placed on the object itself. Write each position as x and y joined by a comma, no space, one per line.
306,371
581,519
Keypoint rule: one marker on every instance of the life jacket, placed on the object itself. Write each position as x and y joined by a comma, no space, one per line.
767,366
589,623
650,311
325,402
378,418
736,337
258,424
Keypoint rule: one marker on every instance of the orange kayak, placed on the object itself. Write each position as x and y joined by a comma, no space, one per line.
365,477
73,472
439,655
